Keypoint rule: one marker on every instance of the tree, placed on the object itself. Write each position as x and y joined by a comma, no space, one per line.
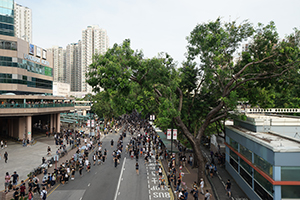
196,96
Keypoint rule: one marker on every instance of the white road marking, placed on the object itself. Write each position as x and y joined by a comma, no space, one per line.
80,198
119,182
89,185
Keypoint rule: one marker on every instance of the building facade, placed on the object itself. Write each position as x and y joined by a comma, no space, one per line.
24,67
94,41
23,22
73,65
58,63
263,156
7,17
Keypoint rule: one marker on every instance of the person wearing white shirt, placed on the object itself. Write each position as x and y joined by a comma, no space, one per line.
201,186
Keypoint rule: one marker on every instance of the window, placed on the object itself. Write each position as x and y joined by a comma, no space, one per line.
247,167
263,165
246,152
290,191
234,144
234,160
266,185
290,174
246,176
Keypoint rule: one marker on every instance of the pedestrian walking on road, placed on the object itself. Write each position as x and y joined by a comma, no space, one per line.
112,143
228,188
6,183
207,195
195,193
5,156
44,194
201,186
22,189
49,151
80,169
137,168
116,162
2,144
16,194
30,194
15,177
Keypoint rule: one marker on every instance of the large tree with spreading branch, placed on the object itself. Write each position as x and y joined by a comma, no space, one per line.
198,95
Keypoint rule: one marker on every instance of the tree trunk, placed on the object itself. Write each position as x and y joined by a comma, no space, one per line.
195,142
200,160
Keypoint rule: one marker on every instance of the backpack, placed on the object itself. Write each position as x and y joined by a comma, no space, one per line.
44,195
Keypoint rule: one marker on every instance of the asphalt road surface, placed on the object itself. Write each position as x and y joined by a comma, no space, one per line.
109,183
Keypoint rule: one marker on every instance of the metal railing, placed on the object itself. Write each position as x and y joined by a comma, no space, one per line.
41,105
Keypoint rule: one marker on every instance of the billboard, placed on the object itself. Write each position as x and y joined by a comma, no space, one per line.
31,49
38,52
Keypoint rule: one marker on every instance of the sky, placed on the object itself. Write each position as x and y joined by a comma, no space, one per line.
153,26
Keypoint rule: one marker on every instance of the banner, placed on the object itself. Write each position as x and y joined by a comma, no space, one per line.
169,134
174,134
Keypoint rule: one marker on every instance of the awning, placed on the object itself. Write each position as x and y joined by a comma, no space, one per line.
167,142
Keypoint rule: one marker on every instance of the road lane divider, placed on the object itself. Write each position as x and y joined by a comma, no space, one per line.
119,182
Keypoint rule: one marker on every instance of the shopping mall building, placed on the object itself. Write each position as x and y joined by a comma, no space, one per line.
26,83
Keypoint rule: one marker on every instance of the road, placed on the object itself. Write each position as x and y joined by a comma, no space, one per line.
107,182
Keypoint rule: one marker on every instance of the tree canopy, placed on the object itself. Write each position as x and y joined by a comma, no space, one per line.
216,74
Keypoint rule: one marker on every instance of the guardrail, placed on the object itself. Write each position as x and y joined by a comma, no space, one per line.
48,105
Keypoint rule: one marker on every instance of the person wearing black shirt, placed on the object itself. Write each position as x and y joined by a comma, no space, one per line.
16,194
228,188
15,179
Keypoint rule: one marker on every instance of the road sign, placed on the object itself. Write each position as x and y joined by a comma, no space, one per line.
93,123
169,134
88,123
174,134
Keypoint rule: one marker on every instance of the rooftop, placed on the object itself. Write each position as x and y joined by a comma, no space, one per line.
274,141
272,120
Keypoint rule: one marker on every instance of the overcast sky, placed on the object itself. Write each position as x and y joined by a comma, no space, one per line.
152,25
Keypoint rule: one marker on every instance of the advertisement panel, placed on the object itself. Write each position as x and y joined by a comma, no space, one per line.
44,54
31,49
38,52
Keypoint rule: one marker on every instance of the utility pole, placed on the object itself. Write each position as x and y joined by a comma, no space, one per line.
172,138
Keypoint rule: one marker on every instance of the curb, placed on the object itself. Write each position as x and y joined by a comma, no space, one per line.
170,186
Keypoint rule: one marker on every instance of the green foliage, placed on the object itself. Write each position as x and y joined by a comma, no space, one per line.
200,93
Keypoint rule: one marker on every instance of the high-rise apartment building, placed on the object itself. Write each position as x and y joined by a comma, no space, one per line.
73,65
58,63
23,22
7,17
94,41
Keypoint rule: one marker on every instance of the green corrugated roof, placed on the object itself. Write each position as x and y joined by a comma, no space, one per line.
167,142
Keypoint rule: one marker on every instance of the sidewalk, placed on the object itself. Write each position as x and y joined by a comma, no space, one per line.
215,185
24,159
